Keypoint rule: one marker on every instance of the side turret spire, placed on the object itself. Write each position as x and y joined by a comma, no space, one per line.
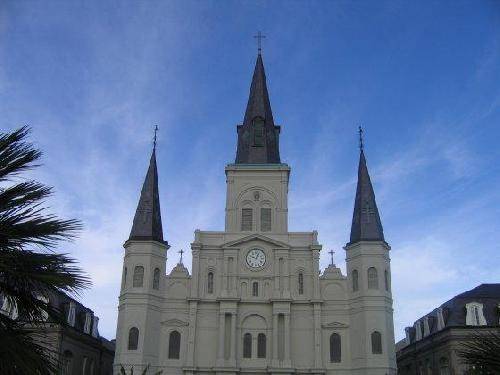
147,220
258,137
366,224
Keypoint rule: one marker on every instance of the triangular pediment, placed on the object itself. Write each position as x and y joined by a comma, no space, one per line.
336,325
175,323
256,237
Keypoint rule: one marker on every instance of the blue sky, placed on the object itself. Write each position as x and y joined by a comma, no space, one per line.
423,78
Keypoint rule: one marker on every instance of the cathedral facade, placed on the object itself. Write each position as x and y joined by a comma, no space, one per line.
256,302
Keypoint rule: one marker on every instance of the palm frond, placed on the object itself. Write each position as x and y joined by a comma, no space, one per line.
16,155
482,350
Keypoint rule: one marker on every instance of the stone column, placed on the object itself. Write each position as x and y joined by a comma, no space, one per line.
196,273
317,336
315,276
232,355
275,339
287,339
220,354
193,308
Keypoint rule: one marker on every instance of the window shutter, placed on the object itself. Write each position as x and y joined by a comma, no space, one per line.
265,219
246,219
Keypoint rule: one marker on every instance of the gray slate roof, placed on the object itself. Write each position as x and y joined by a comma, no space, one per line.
366,224
258,106
147,220
454,312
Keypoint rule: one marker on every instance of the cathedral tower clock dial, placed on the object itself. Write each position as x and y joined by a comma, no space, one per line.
256,258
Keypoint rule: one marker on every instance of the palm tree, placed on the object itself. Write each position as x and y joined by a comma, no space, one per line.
30,269
144,372
482,353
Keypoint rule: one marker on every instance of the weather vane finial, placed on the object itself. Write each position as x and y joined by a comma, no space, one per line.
181,252
361,143
154,139
259,38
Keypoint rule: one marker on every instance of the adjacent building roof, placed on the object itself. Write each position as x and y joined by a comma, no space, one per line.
454,311
366,224
258,137
147,220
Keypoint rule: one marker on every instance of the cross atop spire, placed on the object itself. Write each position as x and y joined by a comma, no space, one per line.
154,139
331,252
259,38
361,144
181,252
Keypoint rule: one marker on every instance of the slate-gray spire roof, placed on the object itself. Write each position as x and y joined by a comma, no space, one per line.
366,224
147,220
258,137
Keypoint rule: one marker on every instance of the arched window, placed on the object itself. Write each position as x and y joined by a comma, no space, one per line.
335,348
301,283
67,363
156,279
376,343
138,276
386,280
255,289
444,368
174,345
124,281
247,345
210,283
246,219
133,338
265,219
355,282
261,346
372,278
258,132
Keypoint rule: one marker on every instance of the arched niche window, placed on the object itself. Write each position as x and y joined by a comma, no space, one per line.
133,338
124,281
386,280
301,283
67,365
174,345
376,342
247,345
444,367
246,219
210,283
156,279
355,281
138,276
255,289
261,345
335,348
258,132
372,278
265,219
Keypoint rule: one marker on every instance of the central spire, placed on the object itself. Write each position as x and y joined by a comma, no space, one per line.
258,137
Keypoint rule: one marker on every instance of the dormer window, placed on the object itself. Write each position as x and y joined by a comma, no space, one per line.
475,315
258,132
418,330
427,329
71,314
440,319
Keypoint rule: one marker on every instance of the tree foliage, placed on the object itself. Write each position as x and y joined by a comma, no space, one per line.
30,269
482,353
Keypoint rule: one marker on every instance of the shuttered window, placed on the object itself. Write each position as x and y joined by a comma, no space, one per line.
246,219
265,219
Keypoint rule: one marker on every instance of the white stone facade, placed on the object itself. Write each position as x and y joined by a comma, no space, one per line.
283,299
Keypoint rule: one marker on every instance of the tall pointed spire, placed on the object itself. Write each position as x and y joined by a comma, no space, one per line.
258,137
366,224
147,220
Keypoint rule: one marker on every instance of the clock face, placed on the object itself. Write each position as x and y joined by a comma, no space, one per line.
256,258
